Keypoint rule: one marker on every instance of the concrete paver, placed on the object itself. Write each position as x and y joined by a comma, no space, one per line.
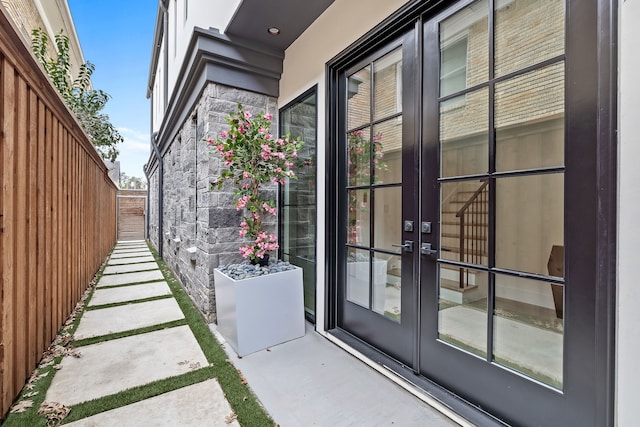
130,260
129,293
186,407
113,366
130,255
130,250
128,317
128,268
123,279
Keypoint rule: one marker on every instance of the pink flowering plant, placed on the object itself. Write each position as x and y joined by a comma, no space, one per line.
253,156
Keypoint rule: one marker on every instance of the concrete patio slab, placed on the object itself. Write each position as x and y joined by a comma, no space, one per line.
130,255
175,408
130,250
129,293
128,268
311,381
131,245
130,260
123,279
120,242
127,317
112,366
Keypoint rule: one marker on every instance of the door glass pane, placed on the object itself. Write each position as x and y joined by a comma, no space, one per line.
387,83
529,111
298,197
387,286
358,277
464,49
464,221
464,141
462,315
358,218
359,98
387,217
528,328
529,221
359,155
387,151
527,32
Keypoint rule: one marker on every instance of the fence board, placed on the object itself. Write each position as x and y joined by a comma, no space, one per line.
57,212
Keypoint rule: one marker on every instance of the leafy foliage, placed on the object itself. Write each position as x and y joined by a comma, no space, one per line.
85,102
254,157
132,182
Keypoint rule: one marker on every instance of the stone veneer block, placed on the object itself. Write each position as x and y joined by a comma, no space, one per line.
126,278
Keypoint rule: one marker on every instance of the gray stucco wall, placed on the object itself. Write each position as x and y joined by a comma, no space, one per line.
201,225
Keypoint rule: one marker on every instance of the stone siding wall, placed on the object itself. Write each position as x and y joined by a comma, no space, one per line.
201,225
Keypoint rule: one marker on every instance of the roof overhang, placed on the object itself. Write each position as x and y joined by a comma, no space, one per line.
292,17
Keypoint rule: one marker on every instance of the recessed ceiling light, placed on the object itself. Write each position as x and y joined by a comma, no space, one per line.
274,31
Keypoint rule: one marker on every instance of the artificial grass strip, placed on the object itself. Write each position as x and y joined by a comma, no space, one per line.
246,406
139,393
134,301
130,284
123,334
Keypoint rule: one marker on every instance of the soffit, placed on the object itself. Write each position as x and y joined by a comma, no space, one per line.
292,17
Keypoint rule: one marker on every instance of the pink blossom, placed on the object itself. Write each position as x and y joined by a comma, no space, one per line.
262,130
247,115
265,147
245,186
241,129
243,233
280,142
264,155
246,175
268,116
244,224
268,136
224,134
294,154
211,141
278,170
242,202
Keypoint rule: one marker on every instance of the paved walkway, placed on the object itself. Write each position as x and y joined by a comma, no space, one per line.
111,366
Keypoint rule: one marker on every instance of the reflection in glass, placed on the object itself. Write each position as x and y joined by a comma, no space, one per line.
387,83
358,217
359,98
527,32
529,221
462,315
464,49
464,222
530,120
387,287
464,137
359,155
528,333
387,151
387,217
358,277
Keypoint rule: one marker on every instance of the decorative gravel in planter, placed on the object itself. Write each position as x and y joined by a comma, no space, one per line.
245,270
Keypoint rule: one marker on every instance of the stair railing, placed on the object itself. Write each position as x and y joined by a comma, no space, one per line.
473,220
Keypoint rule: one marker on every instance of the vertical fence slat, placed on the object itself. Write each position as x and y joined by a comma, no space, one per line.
21,267
8,231
32,221
41,322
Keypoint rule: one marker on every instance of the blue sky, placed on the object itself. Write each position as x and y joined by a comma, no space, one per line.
116,36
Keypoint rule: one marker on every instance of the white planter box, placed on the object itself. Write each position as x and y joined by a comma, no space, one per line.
260,312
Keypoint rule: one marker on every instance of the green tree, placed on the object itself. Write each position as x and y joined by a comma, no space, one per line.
85,102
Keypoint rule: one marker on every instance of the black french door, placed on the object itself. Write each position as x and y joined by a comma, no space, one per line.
377,294
467,207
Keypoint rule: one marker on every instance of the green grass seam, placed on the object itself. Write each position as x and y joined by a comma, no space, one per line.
123,303
130,284
139,393
110,337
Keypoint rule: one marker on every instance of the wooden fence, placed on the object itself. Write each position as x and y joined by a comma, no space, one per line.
57,212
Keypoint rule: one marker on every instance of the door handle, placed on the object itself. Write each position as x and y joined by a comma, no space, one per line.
427,249
407,246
